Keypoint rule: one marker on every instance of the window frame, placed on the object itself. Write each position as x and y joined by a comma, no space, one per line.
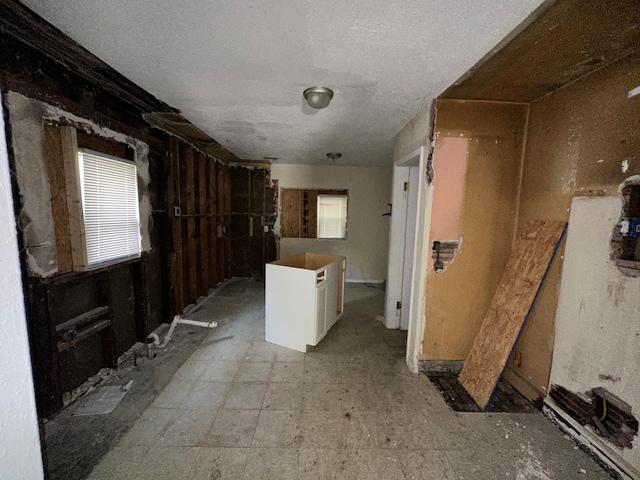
342,220
300,210
134,197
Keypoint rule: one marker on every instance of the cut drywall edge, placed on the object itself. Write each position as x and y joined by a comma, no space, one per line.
633,180
34,114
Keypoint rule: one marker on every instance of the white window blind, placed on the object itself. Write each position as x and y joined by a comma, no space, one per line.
109,189
332,216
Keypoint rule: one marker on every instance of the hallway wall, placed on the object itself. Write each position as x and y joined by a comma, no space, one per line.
19,443
457,298
367,242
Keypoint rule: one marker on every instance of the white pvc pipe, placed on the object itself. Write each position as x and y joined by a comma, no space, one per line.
176,320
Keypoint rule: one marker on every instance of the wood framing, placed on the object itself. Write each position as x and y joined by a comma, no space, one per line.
252,220
59,206
199,211
300,211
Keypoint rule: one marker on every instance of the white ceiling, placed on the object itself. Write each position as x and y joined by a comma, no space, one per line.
237,68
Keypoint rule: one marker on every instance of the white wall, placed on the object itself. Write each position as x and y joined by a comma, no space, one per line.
597,339
367,243
19,440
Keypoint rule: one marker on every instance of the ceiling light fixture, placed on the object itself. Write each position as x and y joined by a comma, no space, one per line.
318,97
334,155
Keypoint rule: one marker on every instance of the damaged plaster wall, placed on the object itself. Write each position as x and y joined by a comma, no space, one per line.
19,443
597,340
27,118
580,141
457,299
367,242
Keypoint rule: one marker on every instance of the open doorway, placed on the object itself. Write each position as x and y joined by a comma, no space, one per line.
407,259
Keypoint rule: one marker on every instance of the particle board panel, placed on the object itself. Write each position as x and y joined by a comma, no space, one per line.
311,213
570,40
511,304
291,212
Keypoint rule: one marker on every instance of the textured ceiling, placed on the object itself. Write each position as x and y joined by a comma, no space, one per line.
237,69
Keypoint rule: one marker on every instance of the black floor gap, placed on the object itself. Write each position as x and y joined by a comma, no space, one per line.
506,399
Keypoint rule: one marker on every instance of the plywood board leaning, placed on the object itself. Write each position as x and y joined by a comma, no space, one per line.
509,309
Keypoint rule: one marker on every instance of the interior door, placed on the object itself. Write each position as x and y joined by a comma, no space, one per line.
411,194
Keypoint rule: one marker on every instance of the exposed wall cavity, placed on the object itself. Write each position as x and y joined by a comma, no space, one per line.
606,414
625,247
27,118
443,253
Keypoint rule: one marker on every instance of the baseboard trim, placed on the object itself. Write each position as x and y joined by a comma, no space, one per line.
364,280
440,366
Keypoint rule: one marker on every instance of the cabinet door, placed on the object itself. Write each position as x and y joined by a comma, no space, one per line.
321,312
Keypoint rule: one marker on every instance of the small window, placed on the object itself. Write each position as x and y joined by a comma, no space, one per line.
332,216
314,213
109,191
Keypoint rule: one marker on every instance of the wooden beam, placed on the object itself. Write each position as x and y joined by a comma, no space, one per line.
176,271
73,181
226,194
212,209
20,23
59,207
203,208
192,255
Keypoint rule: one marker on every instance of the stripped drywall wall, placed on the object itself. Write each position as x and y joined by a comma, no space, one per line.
577,140
457,299
19,443
366,244
597,341
28,117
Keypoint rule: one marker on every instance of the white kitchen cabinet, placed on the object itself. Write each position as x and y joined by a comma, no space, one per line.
304,297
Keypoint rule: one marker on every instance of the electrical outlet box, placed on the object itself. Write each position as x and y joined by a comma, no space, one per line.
630,227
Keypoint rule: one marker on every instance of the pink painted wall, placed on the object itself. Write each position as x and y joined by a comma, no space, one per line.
450,165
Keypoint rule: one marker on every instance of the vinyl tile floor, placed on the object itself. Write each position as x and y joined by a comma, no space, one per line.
242,408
